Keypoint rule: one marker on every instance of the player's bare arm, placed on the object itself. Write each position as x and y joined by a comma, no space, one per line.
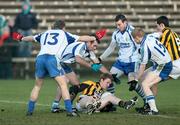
86,38
108,51
82,61
28,38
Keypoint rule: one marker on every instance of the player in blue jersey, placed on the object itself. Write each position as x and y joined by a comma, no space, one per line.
128,58
151,49
52,42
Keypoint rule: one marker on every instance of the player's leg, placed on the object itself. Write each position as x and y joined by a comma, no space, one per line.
34,95
160,72
61,80
154,89
151,79
40,73
55,105
118,73
72,78
56,71
137,87
110,98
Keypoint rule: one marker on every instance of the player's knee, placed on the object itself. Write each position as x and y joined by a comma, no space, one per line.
131,76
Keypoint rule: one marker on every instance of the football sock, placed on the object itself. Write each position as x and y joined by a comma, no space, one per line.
55,104
31,106
111,88
151,101
68,105
140,92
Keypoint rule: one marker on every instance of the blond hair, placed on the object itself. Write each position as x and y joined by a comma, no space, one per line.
138,32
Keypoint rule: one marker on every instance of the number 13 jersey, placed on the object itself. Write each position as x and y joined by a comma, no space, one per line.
54,42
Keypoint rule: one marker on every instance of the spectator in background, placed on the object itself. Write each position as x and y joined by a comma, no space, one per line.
24,23
14,44
5,50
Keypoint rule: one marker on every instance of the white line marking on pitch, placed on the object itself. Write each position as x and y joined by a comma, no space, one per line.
21,102
162,116
47,105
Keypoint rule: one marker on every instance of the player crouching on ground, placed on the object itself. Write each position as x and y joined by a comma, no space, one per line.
95,98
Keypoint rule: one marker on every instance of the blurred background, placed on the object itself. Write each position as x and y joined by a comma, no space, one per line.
81,17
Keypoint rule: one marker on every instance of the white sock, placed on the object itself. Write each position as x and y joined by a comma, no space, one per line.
152,104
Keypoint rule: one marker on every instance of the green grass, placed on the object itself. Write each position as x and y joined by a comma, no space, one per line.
14,95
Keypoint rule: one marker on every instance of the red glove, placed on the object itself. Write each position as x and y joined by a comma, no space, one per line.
101,33
17,36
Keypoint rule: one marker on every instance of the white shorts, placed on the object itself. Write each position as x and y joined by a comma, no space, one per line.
105,94
175,73
83,102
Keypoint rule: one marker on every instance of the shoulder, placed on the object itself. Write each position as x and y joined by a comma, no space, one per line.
116,31
166,29
130,28
89,82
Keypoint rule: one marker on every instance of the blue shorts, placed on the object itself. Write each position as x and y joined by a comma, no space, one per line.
164,70
46,65
125,67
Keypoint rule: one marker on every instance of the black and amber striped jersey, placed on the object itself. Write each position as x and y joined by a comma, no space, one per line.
172,42
91,88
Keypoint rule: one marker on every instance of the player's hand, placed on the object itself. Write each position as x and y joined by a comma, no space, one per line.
99,59
17,36
132,85
96,66
115,79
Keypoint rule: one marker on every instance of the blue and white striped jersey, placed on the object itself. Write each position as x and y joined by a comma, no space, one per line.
54,42
152,49
128,49
73,50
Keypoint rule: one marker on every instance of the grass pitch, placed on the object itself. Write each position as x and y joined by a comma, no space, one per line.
14,95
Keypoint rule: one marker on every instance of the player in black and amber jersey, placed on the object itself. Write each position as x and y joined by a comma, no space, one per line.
94,96
171,41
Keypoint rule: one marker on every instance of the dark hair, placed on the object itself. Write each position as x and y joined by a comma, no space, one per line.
58,24
106,76
120,17
97,39
164,20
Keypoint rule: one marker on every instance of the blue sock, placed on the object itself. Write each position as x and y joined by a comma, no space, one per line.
68,105
31,106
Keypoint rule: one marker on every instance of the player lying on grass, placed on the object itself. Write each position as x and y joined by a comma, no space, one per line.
151,49
95,98
53,42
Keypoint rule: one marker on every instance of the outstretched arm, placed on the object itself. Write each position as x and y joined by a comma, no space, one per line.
20,37
86,38
108,51
94,59
82,61
28,38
